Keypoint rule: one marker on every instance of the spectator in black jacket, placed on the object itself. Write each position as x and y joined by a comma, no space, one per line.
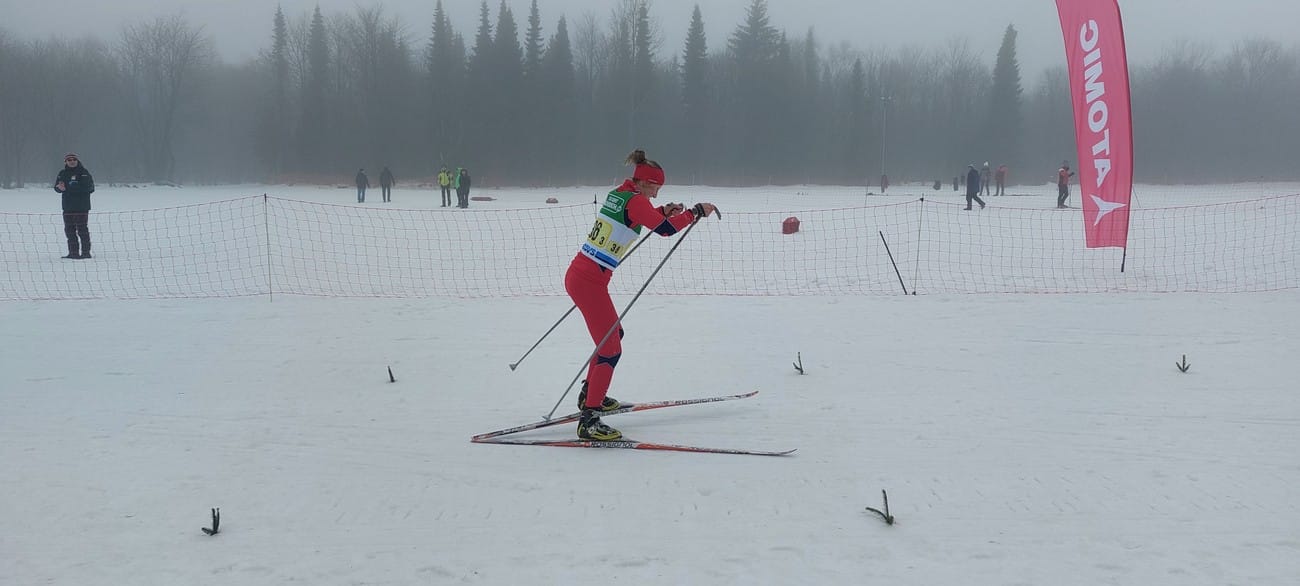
362,183
973,187
386,184
76,185
462,188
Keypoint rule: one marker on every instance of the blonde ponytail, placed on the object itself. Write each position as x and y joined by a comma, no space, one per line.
636,158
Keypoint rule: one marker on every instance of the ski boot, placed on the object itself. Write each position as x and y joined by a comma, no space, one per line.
608,404
590,427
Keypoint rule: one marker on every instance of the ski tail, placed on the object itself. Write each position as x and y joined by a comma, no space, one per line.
573,417
628,444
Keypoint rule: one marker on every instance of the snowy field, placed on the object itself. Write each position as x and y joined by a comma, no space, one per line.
42,198
1023,439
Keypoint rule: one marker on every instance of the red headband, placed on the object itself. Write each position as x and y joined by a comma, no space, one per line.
649,174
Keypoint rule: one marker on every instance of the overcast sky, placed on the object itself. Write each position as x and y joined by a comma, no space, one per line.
240,28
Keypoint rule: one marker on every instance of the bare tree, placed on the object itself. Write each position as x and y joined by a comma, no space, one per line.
159,62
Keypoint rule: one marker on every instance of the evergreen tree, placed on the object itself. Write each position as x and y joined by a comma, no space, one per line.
810,124
314,123
853,134
507,97
533,43
509,55
279,111
445,61
559,126
643,112
784,113
1003,133
477,109
695,99
531,126
754,49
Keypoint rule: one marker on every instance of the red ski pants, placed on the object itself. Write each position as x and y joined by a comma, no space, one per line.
588,285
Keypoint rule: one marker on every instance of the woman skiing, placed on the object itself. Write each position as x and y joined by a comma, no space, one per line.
618,223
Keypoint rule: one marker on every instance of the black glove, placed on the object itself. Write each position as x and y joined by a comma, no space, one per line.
700,210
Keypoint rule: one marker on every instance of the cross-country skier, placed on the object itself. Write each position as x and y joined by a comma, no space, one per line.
1063,176
618,222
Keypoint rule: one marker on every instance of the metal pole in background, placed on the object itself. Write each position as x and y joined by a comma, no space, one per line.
884,137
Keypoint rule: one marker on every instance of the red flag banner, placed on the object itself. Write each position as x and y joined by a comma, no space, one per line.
1103,120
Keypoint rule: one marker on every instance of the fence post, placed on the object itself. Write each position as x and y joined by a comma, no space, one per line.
920,234
266,225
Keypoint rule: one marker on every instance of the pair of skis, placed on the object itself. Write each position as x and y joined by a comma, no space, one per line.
498,437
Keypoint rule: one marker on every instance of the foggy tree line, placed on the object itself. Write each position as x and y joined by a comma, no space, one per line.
536,101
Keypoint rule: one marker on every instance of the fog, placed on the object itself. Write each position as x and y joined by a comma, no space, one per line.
239,32
1212,86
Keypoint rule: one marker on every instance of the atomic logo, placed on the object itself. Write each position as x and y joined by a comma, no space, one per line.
1104,207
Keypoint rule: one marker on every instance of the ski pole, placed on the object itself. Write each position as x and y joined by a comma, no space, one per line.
618,321
516,363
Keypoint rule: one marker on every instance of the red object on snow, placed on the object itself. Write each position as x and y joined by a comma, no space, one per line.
790,225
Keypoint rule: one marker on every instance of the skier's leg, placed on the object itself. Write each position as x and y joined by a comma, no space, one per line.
589,289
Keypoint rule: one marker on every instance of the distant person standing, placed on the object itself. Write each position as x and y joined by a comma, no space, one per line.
444,182
1063,176
362,183
956,181
884,183
462,187
1001,176
386,184
76,185
455,184
973,187
985,179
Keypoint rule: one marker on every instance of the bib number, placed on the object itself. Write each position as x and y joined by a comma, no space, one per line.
600,238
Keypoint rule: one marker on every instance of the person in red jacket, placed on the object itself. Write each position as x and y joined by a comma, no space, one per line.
1063,176
626,210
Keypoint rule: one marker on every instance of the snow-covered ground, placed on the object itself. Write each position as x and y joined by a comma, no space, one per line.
1023,439
41,198
223,242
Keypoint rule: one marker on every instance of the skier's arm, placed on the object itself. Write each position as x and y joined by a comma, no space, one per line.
641,212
